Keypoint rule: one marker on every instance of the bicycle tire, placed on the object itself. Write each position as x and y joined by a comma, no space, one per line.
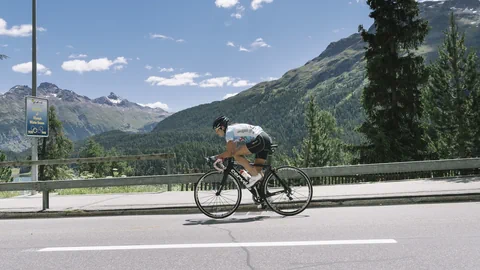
203,209
309,186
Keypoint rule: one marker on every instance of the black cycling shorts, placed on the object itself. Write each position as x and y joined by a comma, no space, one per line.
260,145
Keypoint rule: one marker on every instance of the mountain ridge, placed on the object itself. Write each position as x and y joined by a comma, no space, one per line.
81,116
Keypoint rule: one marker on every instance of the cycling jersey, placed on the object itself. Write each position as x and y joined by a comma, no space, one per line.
244,133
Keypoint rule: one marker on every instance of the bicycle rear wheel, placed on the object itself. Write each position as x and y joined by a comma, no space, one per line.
217,198
284,188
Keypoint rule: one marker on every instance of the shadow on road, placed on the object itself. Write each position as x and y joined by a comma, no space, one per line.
464,179
235,220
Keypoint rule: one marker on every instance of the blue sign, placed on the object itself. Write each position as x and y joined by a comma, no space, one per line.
36,116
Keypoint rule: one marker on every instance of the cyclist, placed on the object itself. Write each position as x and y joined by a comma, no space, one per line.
244,139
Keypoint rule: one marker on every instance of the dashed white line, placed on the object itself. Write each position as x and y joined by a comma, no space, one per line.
224,245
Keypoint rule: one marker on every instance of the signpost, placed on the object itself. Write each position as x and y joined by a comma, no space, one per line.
34,92
36,116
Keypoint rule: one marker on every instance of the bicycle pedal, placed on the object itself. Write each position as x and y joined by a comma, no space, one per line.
262,206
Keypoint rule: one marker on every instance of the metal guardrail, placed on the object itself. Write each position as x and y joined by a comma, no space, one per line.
397,167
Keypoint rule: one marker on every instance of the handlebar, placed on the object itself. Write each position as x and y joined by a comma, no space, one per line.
219,161
217,164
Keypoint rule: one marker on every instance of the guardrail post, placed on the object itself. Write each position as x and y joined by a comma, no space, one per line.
169,185
46,200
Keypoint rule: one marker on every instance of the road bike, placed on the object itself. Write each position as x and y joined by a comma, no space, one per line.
222,187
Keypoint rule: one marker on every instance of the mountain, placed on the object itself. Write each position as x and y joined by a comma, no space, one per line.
81,116
335,79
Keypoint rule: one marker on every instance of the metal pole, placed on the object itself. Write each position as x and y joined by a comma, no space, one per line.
45,200
34,86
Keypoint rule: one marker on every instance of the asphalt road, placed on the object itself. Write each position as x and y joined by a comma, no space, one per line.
428,236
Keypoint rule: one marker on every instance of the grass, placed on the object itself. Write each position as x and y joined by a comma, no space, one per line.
9,194
105,190
120,189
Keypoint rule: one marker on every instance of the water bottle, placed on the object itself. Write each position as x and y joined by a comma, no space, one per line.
245,174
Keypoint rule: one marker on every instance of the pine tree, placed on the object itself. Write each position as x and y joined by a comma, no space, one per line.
2,56
395,74
321,147
5,173
55,146
475,123
94,149
449,96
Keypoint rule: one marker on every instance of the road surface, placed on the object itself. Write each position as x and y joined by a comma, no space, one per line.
427,236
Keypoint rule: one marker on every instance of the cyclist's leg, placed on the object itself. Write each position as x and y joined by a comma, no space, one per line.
239,156
261,156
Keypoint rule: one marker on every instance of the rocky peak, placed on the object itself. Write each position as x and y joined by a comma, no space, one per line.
114,96
49,87
20,90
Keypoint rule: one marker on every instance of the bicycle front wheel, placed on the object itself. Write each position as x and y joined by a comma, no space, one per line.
217,198
288,190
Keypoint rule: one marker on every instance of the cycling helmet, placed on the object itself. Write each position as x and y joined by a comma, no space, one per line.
221,121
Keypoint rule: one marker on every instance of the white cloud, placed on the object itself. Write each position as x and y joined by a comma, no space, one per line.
157,104
138,58
154,36
216,82
188,78
77,56
242,49
230,44
166,69
100,64
57,53
242,83
120,60
256,4
175,80
148,67
160,36
70,47
118,67
4,45
229,95
224,81
239,13
27,68
259,43
23,30
226,3
338,30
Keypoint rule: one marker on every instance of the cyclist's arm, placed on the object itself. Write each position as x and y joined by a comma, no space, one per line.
230,150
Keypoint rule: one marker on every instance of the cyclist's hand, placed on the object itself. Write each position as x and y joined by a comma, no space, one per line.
212,159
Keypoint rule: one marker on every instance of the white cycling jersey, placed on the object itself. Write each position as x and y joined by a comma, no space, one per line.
242,133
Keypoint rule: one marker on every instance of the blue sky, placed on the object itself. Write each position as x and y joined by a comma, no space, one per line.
175,54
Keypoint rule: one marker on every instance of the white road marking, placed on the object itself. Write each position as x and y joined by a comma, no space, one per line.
222,245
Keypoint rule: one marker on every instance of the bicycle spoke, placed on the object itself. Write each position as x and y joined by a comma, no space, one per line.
289,203
223,204
212,199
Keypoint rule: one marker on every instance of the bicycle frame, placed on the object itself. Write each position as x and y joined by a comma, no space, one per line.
269,170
